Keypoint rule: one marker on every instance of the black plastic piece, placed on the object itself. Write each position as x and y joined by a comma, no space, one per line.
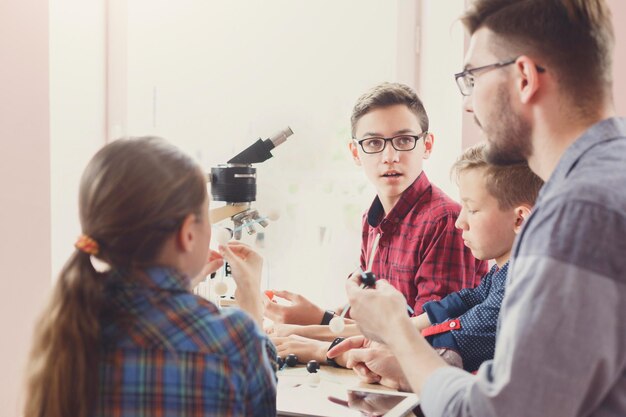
312,366
233,184
259,151
368,279
291,360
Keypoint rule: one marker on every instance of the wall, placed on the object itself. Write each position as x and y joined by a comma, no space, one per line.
24,184
51,121
440,32
77,110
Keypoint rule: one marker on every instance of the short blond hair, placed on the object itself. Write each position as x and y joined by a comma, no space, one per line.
510,185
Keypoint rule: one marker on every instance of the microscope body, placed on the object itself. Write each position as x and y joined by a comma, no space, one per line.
235,184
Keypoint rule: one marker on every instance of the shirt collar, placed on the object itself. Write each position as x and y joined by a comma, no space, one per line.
496,270
600,132
408,199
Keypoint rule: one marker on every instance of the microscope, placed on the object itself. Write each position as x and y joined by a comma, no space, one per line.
235,184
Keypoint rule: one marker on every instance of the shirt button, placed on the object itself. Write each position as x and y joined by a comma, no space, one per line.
396,220
453,324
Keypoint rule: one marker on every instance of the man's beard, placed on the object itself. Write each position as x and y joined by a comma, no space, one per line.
508,135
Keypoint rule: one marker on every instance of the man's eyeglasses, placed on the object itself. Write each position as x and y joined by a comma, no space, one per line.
399,143
465,79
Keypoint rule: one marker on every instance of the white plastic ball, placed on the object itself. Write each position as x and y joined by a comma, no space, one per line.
314,379
223,235
220,288
273,214
337,324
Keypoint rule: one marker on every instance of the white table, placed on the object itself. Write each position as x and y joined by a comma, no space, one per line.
297,396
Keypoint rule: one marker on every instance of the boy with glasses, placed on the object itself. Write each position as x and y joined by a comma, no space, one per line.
420,252
560,349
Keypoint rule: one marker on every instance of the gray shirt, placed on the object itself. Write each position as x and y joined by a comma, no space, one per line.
561,345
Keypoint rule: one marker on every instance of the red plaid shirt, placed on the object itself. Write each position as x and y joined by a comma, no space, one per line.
420,252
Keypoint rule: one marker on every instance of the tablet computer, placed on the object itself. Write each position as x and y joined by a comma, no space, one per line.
333,400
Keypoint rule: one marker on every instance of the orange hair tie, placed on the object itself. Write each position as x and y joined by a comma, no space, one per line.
87,245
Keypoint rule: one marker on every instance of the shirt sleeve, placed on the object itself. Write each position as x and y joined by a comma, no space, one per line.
475,339
451,306
447,265
458,303
561,346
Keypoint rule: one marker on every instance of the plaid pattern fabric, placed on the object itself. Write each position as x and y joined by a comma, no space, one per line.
171,353
420,252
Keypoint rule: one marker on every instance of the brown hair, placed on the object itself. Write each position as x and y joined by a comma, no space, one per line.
133,195
510,185
385,95
571,38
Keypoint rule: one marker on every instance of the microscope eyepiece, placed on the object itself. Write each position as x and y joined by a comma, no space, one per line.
281,136
259,151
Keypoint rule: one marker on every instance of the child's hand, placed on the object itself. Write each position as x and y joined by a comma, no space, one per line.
282,330
245,265
301,311
214,262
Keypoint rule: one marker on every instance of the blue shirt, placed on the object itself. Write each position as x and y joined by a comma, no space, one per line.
478,310
561,346
166,352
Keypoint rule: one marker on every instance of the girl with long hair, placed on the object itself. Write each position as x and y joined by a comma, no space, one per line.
133,340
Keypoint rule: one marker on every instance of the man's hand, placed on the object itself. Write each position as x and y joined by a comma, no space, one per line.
378,311
301,310
305,349
373,362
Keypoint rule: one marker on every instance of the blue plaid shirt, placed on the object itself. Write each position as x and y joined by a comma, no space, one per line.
166,352
478,310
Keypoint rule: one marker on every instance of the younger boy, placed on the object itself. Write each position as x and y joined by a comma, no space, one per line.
462,326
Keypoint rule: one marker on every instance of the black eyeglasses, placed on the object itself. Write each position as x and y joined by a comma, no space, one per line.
465,79
399,143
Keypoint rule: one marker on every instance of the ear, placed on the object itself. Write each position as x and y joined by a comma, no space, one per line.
186,236
528,81
354,150
521,214
429,142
